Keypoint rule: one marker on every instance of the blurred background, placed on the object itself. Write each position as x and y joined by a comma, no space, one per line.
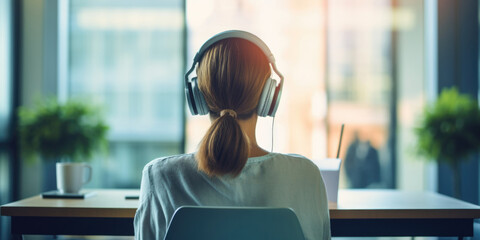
369,64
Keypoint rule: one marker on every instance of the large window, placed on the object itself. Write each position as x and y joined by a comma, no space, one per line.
127,56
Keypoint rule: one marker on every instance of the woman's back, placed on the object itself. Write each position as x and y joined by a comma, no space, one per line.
273,180
234,85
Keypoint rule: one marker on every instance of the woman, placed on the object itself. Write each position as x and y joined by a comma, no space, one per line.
233,85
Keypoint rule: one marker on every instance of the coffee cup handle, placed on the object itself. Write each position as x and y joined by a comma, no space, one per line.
89,173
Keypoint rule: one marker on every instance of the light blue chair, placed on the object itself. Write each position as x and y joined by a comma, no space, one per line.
234,223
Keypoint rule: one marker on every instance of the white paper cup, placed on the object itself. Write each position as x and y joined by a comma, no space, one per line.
330,171
72,176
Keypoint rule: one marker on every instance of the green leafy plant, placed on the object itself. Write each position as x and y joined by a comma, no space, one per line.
450,131
70,131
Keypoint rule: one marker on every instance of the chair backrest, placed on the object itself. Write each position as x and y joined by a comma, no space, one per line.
232,223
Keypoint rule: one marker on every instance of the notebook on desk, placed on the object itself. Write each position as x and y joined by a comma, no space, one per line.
57,194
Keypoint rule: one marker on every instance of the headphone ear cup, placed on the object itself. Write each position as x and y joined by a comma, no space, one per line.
266,98
195,100
200,103
190,98
275,101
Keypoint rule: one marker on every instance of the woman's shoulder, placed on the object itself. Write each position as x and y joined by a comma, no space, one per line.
295,163
169,164
297,159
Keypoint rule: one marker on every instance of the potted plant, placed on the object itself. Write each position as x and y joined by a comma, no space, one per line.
449,131
61,132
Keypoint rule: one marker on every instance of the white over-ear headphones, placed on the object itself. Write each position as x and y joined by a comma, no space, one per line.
271,93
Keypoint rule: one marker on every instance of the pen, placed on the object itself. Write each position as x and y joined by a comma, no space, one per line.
131,197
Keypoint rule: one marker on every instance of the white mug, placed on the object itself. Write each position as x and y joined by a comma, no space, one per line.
71,176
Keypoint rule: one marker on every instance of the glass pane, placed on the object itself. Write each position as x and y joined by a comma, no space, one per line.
4,176
294,32
5,112
360,88
5,190
5,69
128,57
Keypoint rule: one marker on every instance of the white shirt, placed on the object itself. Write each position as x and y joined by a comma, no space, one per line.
273,180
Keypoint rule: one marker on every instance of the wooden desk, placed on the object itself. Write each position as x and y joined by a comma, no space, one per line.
105,213
358,213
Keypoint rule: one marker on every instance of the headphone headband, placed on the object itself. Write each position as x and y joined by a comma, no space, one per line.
269,101
235,34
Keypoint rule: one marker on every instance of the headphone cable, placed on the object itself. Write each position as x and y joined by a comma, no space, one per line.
273,123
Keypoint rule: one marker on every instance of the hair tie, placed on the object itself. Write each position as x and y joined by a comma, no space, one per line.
229,112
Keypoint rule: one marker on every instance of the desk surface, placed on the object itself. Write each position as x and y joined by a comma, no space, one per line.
400,204
353,204
105,203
